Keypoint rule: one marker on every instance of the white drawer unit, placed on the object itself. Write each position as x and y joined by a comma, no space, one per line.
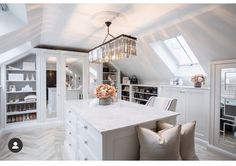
91,137
70,134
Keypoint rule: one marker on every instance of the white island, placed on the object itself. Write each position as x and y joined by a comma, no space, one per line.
95,132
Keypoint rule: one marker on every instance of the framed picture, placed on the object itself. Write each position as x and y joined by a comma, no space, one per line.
126,80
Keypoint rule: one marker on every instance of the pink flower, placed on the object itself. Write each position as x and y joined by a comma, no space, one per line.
105,91
198,78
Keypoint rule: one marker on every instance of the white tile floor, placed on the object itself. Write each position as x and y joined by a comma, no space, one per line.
47,144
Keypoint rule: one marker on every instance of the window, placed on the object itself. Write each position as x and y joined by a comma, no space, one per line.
181,51
178,56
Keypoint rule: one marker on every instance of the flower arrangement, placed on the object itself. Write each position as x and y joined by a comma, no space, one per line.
105,91
198,78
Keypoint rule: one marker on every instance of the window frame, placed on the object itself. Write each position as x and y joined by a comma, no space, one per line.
184,50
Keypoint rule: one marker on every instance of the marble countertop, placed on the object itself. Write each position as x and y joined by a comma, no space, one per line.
117,115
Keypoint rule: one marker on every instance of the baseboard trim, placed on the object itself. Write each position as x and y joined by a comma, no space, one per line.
221,151
201,142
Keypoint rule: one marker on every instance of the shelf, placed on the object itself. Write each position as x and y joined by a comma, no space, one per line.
22,81
125,91
22,122
140,99
124,96
34,91
146,93
109,80
23,70
21,112
110,72
22,102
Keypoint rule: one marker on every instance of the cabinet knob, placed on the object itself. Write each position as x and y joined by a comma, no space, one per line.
86,142
69,133
69,144
69,111
69,121
86,127
86,158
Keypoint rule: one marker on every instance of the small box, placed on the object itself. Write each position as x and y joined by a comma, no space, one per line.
15,77
28,66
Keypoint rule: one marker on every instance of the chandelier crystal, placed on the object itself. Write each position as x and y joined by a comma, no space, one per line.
119,47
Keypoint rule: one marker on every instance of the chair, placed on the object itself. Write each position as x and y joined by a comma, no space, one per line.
162,103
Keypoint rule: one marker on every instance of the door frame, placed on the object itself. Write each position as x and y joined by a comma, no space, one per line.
61,57
215,103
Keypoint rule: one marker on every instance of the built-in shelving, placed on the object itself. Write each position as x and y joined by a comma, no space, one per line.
138,93
20,80
21,94
110,75
21,91
21,102
21,112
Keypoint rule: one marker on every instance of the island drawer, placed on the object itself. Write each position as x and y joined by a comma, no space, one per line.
70,131
70,152
85,128
70,143
85,152
71,119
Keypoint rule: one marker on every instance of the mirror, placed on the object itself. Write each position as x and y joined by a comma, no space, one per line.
227,135
74,79
51,87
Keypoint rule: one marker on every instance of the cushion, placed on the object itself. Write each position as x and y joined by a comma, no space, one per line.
163,146
187,145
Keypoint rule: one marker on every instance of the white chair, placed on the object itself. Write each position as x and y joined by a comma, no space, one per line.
162,103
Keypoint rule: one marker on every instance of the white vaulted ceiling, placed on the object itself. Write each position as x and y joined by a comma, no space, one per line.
83,25
210,31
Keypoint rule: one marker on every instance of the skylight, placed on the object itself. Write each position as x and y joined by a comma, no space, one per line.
181,51
178,56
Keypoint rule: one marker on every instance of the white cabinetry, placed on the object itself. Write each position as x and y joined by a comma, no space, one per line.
192,104
95,132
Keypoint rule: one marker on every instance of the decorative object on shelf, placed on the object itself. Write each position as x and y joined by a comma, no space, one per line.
133,80
28,66
32,77
198,80
13,68
15,77
105,93
125,80
12,88
27,77
27,88
119,47
30,98
176,81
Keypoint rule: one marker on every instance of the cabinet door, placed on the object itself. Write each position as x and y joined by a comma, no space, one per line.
197,108
180,96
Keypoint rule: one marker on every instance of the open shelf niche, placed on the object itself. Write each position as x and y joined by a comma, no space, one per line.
21,90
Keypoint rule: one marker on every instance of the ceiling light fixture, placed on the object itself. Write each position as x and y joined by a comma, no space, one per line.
122,46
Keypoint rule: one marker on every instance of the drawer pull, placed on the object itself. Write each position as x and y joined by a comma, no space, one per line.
69,133
86,142
86,158
69,111
69,121
86,127
69,144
